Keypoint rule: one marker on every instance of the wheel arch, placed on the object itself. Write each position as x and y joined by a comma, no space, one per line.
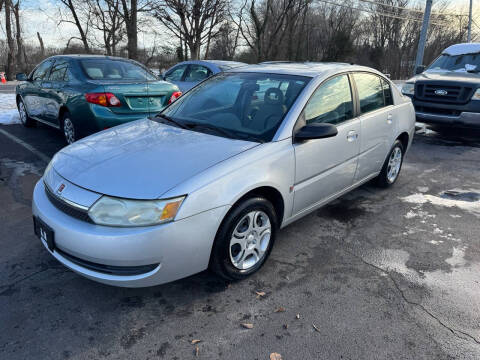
404,138
269,193
63,109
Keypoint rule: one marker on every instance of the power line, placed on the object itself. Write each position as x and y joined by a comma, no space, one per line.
409,9
383,14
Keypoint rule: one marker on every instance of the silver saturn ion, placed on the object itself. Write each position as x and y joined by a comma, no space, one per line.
210,180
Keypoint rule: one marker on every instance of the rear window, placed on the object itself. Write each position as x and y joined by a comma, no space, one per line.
108,69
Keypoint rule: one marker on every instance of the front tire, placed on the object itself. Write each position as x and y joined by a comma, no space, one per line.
68,128
26,120
245,239
392,166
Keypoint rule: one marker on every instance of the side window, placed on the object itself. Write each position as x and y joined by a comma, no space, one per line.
41,70
387,93
370,92
331,102
197,73
176,73
59,71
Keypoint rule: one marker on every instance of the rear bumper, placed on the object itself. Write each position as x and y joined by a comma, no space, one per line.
465,119
106,118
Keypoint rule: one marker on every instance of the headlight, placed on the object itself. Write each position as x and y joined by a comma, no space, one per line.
123,212
408,89
476,95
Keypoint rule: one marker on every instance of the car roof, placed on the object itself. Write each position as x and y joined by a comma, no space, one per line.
87,56
310,69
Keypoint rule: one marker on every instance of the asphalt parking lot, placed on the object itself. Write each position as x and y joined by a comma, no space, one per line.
378,274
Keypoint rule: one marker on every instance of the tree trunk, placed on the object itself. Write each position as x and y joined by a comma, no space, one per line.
130,17
83,36
10,42
42,47
16,12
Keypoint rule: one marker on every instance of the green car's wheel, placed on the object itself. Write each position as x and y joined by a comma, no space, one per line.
26,120
68,128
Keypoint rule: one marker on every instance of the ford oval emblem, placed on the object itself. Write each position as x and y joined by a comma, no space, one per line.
441,92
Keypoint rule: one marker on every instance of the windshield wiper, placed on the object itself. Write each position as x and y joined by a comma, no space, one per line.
170,120
224,132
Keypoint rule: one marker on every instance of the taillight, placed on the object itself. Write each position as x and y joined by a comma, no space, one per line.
103,99
175,96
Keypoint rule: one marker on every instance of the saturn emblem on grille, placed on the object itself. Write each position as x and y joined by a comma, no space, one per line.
441,92
60,188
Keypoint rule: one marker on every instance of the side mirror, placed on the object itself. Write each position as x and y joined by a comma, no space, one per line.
419,69
316,131
21,77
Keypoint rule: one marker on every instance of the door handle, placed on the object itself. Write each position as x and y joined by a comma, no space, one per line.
352,136
389,118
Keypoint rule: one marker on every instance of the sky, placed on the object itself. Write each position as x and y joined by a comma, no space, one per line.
42,16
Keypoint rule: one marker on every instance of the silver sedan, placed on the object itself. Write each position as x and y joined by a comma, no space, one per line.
210,181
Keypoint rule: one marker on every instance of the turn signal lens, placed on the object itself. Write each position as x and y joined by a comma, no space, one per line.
103,99
175,96
476,95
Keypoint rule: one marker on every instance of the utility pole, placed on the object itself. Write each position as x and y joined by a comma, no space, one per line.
423,34
469,34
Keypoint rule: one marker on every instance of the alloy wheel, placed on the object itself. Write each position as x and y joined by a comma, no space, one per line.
394,164
68,130
250,240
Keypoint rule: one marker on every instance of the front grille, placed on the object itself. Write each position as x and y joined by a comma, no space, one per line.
108,269
454,94
67,208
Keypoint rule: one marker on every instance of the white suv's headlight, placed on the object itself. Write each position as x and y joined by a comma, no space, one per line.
408,89
476,95
124,212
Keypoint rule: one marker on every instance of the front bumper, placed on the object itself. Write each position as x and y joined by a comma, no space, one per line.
465,119
180,248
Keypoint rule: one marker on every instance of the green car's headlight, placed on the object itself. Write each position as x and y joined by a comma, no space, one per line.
124,212
408,89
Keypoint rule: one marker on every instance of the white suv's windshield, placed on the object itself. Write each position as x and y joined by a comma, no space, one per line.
238,105
455,62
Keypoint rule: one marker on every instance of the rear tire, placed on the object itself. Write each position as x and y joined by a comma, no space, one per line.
392,166
68,128
245,239
26,120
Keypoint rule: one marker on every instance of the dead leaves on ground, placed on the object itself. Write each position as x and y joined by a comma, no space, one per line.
195,341
280,309
275,356
260,294
247,325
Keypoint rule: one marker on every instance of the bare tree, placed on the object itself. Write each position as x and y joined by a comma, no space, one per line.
42,46
195,22
18,36
77,8
107,19
10,42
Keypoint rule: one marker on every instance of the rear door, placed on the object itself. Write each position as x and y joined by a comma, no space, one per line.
324,167
33,95
376,106
54,88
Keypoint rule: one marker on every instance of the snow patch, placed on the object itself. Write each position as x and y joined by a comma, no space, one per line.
8,110
419,198
462,49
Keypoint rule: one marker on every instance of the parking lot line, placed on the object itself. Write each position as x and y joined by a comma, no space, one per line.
29,147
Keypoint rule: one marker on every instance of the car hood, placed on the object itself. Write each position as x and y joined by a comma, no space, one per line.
142,159
447,76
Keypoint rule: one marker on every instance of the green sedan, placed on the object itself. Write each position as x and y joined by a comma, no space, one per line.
83,94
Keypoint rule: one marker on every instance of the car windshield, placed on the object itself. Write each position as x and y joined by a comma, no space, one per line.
455,62
248,106
112,69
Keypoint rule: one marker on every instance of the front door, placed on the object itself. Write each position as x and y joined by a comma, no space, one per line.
33,95
53,88
176,75
325,167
